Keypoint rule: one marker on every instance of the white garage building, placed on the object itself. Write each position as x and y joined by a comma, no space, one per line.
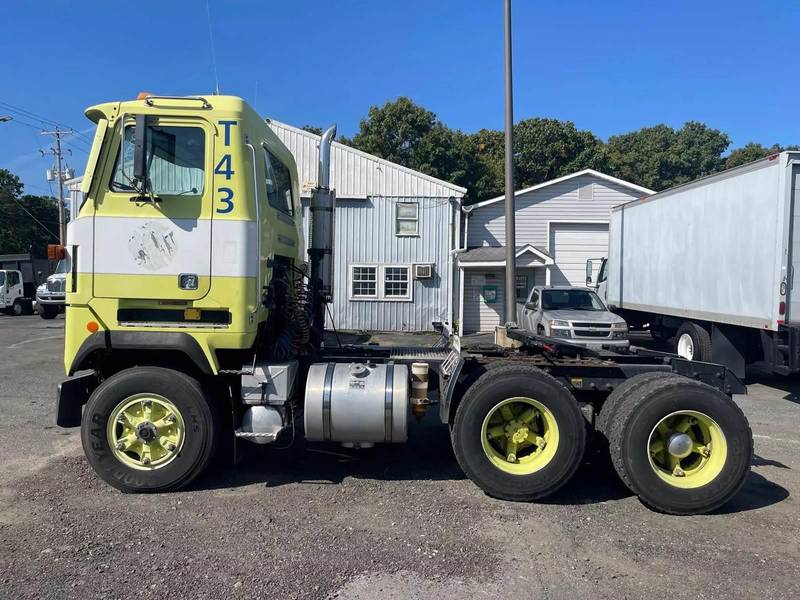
559,224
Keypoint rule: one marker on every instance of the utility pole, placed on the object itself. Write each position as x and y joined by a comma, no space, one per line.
59,177
511,249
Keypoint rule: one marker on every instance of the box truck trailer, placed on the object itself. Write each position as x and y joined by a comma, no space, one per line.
711,265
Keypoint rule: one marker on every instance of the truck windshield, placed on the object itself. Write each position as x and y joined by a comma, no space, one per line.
571,300
2,278
63,266
175,158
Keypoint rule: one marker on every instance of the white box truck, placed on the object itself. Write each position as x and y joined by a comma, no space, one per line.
711,264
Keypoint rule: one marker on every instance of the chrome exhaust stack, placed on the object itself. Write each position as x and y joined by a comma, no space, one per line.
320,247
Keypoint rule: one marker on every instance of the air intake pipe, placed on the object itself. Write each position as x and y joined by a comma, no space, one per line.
320,247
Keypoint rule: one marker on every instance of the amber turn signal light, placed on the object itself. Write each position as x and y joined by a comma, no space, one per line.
56,252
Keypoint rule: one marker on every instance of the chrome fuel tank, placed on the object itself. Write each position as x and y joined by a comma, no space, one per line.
357,403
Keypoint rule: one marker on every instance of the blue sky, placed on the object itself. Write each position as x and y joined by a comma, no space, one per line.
610,66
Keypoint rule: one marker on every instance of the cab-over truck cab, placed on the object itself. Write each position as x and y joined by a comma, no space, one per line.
188,206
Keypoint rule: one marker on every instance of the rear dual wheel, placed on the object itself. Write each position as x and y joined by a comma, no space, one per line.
683,447
518,433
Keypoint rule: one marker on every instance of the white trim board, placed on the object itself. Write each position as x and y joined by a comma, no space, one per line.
544,184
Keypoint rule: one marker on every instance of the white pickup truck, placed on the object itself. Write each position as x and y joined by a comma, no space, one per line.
576,315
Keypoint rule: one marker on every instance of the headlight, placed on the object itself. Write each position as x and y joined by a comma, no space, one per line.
619,335
555,323
618,326
560,333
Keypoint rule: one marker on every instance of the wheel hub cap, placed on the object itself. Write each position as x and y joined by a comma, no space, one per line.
146,431
519,436
680,445
687,449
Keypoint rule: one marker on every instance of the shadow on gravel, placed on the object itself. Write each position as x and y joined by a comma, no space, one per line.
757,492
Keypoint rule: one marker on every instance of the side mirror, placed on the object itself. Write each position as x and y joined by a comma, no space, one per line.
531,306
139,147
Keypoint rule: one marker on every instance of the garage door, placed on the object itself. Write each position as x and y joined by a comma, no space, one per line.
571,245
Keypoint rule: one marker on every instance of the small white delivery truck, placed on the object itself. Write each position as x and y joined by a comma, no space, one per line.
711,265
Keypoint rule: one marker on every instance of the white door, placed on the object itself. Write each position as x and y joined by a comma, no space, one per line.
571,245
484,300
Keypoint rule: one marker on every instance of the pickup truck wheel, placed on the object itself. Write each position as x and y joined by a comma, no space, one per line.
518,433
693,342
149,429
683,447
48,311
611,405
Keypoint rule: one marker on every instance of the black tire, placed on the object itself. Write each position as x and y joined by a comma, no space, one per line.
17,309
48,311
701,341
636,419
202,429
612,403
510,381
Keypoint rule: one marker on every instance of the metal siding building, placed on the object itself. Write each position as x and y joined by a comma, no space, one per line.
368,191
559,225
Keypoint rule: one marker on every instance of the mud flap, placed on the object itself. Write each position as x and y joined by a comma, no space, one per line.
71,396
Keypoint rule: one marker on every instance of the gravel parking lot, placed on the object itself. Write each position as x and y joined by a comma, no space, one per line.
391,522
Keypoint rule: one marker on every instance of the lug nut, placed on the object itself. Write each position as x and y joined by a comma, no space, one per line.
172,418
171,447
145,461
678,472
512,458
120,445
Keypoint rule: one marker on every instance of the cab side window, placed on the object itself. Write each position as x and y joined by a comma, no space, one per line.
535,299
279,183
13,278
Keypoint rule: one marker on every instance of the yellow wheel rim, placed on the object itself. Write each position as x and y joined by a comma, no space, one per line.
146,431
520,436
687,449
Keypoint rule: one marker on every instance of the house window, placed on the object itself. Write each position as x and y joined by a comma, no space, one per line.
522,287
407,218
380,282
395,283
364,282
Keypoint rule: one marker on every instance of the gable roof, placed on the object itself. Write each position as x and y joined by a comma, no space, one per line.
544,184
357,174
497,254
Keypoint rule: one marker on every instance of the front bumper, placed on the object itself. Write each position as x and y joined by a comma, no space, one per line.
600,344
51,299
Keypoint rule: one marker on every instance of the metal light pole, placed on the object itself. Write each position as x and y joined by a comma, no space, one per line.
511,249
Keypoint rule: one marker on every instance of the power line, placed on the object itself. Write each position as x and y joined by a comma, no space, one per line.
34,218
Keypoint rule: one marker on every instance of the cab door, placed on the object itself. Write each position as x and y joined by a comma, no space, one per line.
157,247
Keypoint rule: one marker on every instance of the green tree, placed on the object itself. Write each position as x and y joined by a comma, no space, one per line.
19,230
753,151
312,129
661,157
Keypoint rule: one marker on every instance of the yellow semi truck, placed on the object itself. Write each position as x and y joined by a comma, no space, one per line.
195,317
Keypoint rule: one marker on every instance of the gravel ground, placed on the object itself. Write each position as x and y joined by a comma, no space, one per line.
318,521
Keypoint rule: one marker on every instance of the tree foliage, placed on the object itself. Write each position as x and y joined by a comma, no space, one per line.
657,157
753,151
19,230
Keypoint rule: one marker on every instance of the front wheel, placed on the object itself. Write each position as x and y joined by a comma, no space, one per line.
17,309
48,311
149,429
518,433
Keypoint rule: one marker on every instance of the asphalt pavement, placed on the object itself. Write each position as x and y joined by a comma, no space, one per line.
319,521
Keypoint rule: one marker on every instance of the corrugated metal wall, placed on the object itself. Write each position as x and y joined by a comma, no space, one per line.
356,174
365,235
